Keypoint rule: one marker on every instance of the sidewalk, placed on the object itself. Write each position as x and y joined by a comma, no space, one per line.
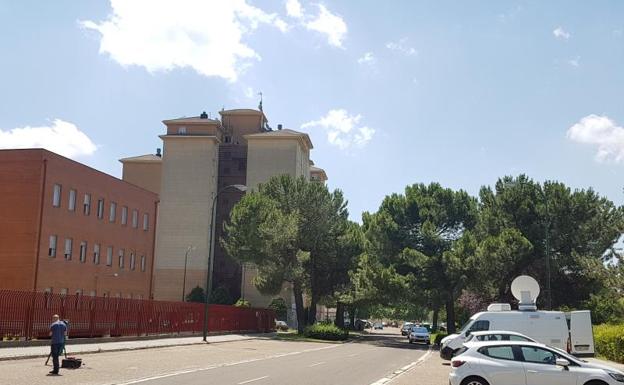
15,353
602,361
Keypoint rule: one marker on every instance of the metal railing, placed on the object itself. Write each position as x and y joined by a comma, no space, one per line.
27,315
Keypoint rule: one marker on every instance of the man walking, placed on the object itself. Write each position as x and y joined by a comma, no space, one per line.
58,331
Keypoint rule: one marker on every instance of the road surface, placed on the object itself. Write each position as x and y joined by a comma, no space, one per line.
383,357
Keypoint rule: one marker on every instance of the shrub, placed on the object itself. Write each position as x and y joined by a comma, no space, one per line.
324,331
438,337
609,341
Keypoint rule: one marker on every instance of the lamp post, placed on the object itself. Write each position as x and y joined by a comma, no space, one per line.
547,246
239,187
188,250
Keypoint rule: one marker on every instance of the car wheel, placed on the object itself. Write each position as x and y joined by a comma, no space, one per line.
474,381
595,383
410,341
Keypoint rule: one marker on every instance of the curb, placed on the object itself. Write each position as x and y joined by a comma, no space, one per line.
100,350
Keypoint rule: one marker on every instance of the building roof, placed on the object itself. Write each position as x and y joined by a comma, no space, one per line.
192,120
242,111
319,171
148,158
279,134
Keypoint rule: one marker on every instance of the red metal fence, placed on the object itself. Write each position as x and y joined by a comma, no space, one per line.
27,315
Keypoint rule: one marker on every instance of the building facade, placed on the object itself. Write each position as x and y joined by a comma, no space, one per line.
67,228
200,158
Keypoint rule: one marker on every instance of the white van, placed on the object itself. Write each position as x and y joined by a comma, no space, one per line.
568,331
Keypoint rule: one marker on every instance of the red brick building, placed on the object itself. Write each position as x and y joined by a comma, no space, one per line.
67,228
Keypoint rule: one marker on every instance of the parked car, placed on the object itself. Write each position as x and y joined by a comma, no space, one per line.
419,334
571,332
405,329
281,325
519,362
497,335
378,325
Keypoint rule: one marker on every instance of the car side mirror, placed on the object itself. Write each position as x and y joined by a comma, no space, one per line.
562,362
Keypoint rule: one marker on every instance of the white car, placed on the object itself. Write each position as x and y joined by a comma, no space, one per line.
405,329
525,363
419,334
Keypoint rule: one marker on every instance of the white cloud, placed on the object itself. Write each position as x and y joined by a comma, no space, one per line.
206,36
602,132
576,62
560,33
61,137
343,130
402,47
249,92
293,9
367,58
329,24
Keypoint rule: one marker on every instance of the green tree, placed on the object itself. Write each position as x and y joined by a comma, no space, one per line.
411,238
289,230
523,222
196,295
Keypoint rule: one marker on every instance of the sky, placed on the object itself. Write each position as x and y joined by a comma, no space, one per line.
391,93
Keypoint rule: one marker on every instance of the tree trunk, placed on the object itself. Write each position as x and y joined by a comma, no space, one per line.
352,316
339,321
450,314
298,293
312,310
436,313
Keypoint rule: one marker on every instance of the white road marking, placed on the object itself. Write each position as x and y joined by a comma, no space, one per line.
252,380
354,355
317,364
172,374
399,372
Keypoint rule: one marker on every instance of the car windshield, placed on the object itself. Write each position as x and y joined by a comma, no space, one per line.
419,330
465,326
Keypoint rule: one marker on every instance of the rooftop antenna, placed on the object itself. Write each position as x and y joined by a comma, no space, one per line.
525,289
260,105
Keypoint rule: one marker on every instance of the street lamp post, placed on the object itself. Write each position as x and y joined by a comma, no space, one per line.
547,246
239,187
188,250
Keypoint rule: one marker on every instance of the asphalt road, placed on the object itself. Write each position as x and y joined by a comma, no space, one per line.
383,357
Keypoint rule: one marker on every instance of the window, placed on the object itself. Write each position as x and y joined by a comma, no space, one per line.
56,196
71,205
64,291
83,251
68,248
109,256
100,209
132,261
124,215
226,171
135,218
52,246
480,326
78,291
121,258
92,294
112,212
228,139
538,355
515,338
87,204
142,262
145,221
500,352
182,130
96,254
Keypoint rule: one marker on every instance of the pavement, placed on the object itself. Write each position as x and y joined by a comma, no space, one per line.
381,357
11,353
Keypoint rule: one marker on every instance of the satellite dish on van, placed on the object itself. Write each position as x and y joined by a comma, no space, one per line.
525,289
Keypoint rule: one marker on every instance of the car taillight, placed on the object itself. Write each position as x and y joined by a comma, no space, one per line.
457,363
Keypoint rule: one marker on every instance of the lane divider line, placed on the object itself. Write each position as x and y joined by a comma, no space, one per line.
252,380
216,366
317,364
399,372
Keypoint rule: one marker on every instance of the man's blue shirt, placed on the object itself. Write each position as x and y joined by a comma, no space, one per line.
58,330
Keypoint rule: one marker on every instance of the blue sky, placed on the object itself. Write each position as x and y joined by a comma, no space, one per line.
391,93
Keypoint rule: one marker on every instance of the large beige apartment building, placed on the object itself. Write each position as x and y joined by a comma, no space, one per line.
200,157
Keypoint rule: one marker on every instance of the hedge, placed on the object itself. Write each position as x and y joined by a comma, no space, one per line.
609,341
325,331
437,337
